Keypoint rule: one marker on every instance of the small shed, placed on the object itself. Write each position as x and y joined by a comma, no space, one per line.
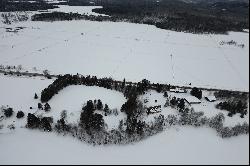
192,100
154,109
211,98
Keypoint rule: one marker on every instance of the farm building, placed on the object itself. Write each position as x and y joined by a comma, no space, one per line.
211,98
178,90
192,100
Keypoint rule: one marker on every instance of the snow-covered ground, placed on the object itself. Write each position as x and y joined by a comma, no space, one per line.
128,50
118,50
174,146
208,108
19,93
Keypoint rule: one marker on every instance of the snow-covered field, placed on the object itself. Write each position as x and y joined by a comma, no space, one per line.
128,50
208,108
118,50
175,146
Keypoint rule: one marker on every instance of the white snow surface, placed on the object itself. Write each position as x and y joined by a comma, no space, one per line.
131,51
174,146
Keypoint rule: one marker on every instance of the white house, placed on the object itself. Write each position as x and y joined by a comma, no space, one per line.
192,100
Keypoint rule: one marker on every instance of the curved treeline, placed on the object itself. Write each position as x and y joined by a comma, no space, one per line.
127,88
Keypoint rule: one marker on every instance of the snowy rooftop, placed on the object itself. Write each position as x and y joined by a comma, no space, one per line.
211,98
192,99
179,90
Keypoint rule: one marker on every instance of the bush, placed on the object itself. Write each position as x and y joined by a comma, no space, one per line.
8,112
64,114
45,123
35,97
20,114
47,107
32,121
196,92
61,126
11,127
217,121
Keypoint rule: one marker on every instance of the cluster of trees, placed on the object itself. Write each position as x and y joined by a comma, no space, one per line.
67,80
46,107
128,89
20,114
139,130
62,126
235,95
56,16
8,112
89,120
196,92
62,16
11,6
176,103
43,123
233,107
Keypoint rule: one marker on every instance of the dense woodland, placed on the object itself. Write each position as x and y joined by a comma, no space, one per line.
216,17
180,16
10,6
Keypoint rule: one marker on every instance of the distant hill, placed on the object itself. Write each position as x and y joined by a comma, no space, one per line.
214,1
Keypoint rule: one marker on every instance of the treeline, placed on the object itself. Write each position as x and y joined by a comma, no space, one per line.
11,6
61,16
233,107
179,16
127,88
93,132
56,16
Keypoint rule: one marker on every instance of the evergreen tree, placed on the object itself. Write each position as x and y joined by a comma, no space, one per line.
35,97
99,105
106,109
196,92
20,114
8,112
47,107
40,106
181,104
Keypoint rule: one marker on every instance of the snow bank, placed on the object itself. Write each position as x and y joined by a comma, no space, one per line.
182,146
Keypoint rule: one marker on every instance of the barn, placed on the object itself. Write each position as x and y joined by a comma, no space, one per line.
192,100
